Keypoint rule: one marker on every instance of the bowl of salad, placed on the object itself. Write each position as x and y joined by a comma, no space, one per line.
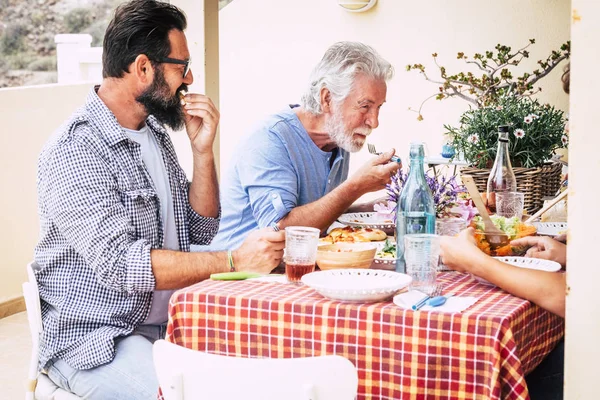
385,257
513,227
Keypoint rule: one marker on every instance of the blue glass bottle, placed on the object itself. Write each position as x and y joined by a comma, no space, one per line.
415,211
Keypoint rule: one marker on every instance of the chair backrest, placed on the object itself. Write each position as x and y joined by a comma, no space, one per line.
188,374
31,294
34,316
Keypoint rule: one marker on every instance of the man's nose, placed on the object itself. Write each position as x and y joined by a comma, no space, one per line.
372,120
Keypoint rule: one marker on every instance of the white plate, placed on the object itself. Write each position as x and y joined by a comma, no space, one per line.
525,262
357,285
366,220
550,228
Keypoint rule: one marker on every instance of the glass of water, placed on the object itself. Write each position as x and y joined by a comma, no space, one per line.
421,255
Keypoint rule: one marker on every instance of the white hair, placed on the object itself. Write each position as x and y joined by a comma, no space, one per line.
338,69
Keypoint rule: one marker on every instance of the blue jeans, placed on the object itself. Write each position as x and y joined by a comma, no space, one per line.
129,376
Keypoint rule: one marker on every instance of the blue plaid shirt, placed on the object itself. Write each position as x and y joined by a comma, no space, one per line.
100,217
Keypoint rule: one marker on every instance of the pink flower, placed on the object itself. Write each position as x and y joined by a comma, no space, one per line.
474,138
383,208
519,133
499,108
528,119
565,140
464,210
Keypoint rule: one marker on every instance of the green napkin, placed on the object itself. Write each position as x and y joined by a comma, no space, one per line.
234,276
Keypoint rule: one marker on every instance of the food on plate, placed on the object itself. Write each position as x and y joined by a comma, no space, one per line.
513,227
349,234
387,251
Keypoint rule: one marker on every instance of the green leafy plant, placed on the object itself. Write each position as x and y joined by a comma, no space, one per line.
493,78
536,130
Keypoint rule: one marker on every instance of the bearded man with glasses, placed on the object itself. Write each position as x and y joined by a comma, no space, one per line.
118,214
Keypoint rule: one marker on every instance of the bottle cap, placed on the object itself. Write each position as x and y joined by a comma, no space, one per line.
503,128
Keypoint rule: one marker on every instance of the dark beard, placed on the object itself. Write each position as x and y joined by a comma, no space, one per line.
158,102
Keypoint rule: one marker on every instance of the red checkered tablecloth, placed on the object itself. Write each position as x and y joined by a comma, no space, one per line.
482,353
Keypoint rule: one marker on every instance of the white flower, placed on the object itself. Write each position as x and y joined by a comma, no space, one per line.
474,138
519,133
499,108
564,139
534,116
528,119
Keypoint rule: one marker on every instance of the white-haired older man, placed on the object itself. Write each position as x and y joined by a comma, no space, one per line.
293,170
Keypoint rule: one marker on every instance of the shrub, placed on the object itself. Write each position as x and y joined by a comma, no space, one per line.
20,60
47,63
97,30
78,19
12,40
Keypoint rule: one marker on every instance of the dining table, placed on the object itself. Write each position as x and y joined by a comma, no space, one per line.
483,352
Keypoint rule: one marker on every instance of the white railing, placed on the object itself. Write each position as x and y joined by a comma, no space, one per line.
76,60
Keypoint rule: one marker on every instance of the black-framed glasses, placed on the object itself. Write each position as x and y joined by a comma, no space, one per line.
187,63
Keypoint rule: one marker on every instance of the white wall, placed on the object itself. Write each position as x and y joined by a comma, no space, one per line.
29,115
268,48
583,314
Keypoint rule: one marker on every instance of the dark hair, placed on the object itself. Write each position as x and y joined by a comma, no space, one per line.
566,78
139,27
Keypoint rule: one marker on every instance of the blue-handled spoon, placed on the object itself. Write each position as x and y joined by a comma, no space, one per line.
438,300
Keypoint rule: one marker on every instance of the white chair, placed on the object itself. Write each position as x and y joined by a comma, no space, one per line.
188,374
39,386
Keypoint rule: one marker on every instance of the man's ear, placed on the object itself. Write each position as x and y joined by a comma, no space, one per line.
142,68
325,100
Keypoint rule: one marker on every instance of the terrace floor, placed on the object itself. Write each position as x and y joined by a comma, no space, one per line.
15,351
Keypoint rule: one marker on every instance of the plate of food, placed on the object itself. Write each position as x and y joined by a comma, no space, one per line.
351,234
525,262
373,220
513,227
550,228
385,257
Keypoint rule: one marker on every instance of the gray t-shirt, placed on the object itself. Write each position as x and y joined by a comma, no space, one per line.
153,161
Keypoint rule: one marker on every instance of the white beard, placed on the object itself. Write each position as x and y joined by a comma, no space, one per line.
343,137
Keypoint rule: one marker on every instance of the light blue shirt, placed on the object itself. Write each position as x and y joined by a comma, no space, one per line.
276,168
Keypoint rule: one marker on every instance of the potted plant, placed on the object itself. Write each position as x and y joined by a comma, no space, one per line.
497,97
537,130
493,78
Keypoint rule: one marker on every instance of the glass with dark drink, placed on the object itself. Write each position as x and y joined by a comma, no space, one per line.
300,251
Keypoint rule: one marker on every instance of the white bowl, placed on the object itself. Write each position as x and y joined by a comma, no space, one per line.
524,262
357,285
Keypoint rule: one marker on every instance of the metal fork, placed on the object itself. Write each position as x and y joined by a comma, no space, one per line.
372,150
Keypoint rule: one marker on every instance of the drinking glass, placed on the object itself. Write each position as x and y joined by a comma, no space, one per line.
448,227
422,253
510,204
301,244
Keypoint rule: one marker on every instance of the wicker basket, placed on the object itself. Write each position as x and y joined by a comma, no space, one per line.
551,179
529,181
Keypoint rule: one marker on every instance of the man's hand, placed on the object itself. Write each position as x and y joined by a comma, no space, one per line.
543,247
376,173
460,252
202,119
261,251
